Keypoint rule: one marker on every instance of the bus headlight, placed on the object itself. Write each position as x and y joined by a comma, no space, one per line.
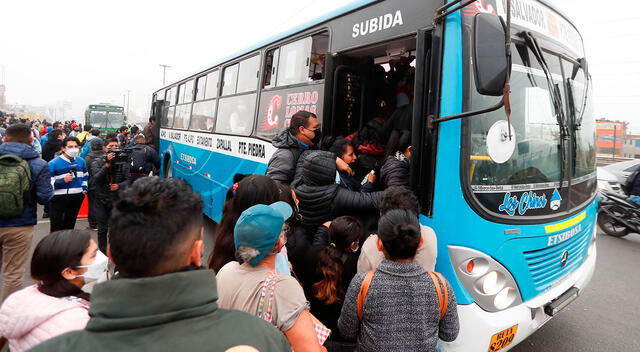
487,281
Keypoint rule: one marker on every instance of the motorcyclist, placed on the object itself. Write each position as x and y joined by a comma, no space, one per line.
634,186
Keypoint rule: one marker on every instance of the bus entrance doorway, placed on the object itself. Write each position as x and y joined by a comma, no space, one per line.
369,99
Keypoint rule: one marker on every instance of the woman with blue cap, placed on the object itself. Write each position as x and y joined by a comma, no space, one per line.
252,285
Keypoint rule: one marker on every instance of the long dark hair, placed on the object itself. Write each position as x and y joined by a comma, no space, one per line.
399,231
54,253
343,231
251,190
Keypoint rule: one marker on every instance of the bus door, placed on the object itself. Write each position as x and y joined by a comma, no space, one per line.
366,87
343,92
156,111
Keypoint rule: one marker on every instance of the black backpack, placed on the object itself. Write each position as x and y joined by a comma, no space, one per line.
138,161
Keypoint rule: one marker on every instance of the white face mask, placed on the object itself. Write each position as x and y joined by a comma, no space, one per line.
96,269
72,152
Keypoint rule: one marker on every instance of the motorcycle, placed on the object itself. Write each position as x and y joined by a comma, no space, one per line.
618,215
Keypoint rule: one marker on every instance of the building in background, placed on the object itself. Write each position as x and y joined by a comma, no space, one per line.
610,137
631,146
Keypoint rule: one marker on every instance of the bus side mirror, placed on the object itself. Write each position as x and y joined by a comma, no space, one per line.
489,54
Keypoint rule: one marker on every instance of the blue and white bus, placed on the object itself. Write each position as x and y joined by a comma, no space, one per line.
511,197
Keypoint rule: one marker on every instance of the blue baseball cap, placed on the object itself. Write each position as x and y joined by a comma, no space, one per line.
259,227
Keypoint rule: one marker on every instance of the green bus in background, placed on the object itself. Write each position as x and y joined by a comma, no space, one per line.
105,117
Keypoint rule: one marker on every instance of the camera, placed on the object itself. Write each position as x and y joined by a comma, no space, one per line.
121,155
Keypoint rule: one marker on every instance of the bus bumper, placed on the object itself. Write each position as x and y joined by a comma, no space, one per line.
477,326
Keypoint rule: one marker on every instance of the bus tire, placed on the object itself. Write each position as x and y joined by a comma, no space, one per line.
608,225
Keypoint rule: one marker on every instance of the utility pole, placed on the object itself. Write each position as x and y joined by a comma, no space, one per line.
128,102
615,129
164,73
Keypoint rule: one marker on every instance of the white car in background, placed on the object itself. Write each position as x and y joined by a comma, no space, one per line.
607,181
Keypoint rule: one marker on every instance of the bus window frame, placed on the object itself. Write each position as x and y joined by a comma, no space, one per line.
214,99
280,44
220,96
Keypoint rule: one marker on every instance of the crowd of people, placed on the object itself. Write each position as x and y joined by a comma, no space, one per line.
319,254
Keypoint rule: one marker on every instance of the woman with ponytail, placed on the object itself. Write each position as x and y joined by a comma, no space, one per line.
328,270
401,307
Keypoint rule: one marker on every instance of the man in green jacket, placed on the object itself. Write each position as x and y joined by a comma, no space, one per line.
164,299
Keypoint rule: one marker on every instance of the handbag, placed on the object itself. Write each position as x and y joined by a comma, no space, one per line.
265,307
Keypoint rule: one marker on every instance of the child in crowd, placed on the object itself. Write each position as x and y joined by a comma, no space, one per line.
329,268
344,149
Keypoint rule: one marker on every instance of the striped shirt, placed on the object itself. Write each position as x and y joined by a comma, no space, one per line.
59,167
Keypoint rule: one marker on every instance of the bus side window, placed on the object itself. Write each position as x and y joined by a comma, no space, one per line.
270,68
211,89
188,92
229,80
201,83
303,60
183,109
236,113
168,111
203,114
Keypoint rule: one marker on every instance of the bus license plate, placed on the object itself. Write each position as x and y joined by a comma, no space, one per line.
502,339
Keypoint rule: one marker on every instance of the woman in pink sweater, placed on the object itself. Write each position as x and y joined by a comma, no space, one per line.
63,262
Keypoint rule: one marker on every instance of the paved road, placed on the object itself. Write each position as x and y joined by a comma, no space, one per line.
606,317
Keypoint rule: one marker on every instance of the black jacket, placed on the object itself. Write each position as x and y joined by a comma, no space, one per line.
89,159
321,199
102,177
50,149
395,172
282,166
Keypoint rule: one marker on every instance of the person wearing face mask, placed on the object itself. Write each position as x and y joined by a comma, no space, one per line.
63,263
163,300
303,134
69,178
344,149
328,270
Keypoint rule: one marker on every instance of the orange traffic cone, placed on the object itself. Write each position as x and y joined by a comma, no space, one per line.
84,208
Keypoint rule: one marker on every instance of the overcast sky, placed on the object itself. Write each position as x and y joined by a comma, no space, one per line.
86,51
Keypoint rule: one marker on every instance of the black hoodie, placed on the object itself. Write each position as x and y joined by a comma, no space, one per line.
321,199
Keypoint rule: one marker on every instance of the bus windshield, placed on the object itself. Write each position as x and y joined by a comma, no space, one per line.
553,126
114,119
537,157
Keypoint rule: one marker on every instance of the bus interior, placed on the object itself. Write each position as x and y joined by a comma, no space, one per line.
369,97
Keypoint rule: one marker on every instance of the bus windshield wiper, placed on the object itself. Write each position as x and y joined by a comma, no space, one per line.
587,78
554,91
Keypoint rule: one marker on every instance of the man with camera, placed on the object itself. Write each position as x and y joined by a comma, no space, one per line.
109,175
